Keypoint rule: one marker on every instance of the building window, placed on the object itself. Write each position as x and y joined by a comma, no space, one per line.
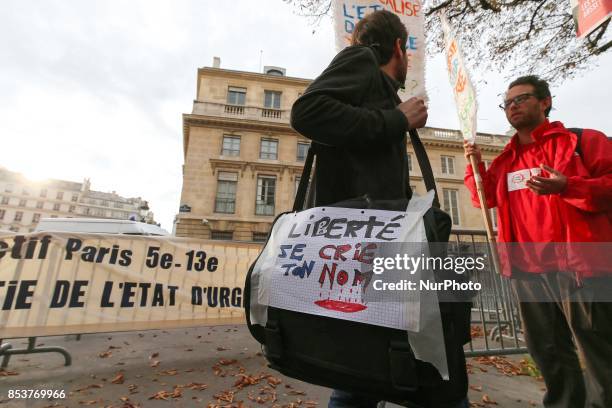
36,217
302,151
222,235
236,96
451,204
2,212
56,207
25,192
43,192
39,204
104,203
60,195
71,209
99,212
75,198
86,211
22,203
14,228
260,236
272,99
5,200
225,201
231,146
8,188
54,216
269,149
18,216
264,204
409,162
448,164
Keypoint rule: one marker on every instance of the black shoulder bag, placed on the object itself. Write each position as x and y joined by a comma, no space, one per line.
365,359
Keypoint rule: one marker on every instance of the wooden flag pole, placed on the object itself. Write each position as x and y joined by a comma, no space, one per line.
486,215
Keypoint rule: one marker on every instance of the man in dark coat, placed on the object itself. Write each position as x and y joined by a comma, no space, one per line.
353,114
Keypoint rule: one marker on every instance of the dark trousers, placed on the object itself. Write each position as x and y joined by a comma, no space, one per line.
558,318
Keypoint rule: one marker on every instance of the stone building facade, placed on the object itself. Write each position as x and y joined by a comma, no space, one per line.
242,160
24,202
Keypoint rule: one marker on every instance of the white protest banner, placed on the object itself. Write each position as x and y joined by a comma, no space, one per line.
63,283
319,261
348,12
465,95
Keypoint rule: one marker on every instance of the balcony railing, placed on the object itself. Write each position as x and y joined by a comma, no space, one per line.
234,109
451,134
272,113
240,111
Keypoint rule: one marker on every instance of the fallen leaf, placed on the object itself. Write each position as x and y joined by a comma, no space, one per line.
105,354
119,379
154,363
222,349
90,402
132,388
295,392
476,387
6,373
487,400
273,381
170,372
153,355
227,362
224,396
88,387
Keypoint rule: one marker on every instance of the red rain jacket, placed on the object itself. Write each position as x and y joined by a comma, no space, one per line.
584,208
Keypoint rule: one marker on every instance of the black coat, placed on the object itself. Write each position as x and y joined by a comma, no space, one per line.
350,111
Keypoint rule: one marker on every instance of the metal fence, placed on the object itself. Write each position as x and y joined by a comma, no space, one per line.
495,320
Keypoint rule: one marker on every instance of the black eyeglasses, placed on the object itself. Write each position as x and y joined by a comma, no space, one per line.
517,100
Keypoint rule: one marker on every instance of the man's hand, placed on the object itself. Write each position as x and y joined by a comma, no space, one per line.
415,111
472,150
554,184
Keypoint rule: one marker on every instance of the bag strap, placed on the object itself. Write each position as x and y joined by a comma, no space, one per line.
424,164
300,196
419,150
578,133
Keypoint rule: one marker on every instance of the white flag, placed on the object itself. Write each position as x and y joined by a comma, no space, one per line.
465,95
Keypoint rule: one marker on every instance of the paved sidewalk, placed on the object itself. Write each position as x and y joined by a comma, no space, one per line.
200,366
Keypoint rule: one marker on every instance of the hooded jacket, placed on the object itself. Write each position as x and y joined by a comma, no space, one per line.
582,213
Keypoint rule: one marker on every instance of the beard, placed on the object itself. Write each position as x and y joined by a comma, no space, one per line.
525,120
400,75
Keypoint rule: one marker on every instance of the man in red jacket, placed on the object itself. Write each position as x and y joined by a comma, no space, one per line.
553,191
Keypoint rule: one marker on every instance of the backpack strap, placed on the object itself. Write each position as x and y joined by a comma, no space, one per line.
578,133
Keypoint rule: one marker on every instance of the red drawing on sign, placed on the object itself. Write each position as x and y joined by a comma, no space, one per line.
340,306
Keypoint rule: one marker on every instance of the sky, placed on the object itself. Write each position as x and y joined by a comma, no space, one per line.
96,89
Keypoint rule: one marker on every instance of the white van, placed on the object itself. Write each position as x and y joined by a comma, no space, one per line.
98,226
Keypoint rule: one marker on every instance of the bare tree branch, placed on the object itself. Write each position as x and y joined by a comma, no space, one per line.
514,36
